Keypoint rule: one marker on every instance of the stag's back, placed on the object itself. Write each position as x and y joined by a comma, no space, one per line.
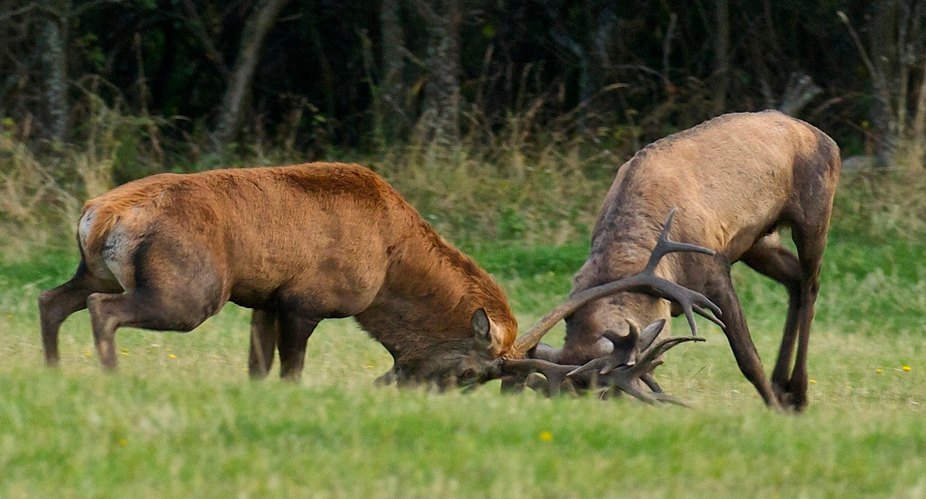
731,178
262,229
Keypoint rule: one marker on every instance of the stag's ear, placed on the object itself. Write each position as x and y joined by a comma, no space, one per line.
481,324
649,333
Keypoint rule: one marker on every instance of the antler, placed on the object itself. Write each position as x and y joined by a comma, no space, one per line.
646,281
612,371
606,373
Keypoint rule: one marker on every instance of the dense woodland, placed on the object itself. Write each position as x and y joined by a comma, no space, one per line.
193,82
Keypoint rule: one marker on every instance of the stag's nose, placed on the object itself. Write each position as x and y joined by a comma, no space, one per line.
494,371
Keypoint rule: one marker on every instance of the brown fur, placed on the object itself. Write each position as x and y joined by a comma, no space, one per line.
734,179
298,244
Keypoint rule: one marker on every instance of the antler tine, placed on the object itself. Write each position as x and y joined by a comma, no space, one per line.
649,334
668,399
627,386
653,353
691,301
664,245
651,382
660,395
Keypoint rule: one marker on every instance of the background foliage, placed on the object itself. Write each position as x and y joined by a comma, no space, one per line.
335,75
487,115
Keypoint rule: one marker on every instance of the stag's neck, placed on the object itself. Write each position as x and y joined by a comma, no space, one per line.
429,296
622,242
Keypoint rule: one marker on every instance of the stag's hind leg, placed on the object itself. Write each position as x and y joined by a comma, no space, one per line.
771,259
720,291
811,242
56,305
809,216
169,287
141,308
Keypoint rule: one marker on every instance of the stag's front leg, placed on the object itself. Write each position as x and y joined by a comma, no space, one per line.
264,336
295,330
770,258
720,291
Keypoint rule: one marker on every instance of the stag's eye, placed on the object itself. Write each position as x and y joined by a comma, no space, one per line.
468,374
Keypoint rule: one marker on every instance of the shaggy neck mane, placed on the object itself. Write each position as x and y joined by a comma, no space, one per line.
480,288
430,294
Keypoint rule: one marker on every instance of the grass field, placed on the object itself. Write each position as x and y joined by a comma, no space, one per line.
180,418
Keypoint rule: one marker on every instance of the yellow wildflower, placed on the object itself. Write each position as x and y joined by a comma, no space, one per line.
879,370
171,356
546,436
906,368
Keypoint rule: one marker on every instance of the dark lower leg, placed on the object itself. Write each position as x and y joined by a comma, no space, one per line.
294,335
810,242
55,305
782,371
737,331
263,342
105,319
747,358
797,385
770,258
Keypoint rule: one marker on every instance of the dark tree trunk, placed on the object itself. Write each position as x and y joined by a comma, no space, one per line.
918,135
441,115
256,28
325,69
883,44
721,55
53,49
391,117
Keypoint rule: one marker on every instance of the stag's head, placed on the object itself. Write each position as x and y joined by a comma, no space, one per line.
606,326
632,355
471,360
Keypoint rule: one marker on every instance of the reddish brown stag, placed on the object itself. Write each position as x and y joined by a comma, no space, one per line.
734,181
297,244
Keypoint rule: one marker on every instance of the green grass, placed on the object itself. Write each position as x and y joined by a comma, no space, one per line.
180,417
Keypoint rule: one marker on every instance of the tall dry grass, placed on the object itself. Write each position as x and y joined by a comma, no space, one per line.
34,204
880,204
515,182
528,179
43,192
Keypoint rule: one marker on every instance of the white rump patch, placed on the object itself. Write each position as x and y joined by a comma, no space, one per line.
84,225
110,262
116,253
